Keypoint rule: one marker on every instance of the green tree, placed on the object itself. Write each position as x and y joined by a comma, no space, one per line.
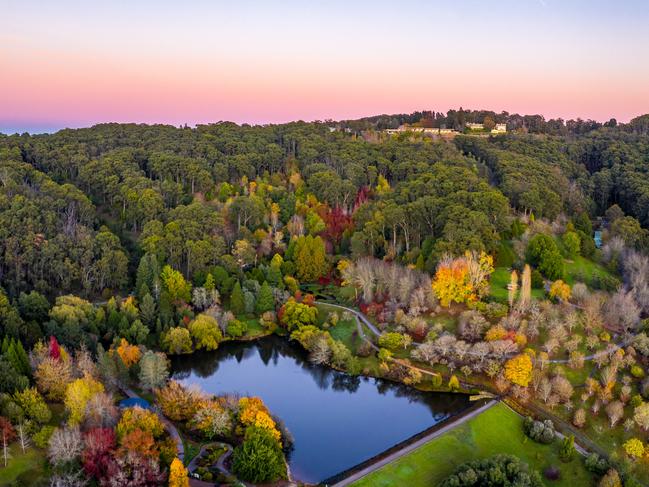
177,341
572,243
237,300
154,370
265,299
205,332
259,459
177,288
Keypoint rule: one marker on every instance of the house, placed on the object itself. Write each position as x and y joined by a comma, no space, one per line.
475,126
500,128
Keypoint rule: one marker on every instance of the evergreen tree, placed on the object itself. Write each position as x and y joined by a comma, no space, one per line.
237,300
148,310
148,272
265,299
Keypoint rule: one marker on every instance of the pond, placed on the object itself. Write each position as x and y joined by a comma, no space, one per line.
336,420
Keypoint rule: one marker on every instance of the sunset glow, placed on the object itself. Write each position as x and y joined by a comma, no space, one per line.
78,63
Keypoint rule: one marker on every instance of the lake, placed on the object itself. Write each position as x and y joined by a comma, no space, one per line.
337,421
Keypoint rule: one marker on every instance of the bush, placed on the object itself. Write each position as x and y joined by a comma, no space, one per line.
567,449
42,437
596,464
637,372
539,431
236,328
552,473
499,470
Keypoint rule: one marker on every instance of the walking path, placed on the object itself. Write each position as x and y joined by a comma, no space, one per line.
413,446
169,426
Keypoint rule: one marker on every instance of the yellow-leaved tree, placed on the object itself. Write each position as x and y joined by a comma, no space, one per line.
178,474
130,354
518,370
77,395
560,290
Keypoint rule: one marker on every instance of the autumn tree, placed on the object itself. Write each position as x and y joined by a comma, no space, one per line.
178,474
130,354
77,395
560,290
294,314
518,370
310,258
177,402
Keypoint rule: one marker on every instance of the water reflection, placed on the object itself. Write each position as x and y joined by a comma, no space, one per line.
336,420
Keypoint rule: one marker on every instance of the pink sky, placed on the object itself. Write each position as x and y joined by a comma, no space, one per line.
78,63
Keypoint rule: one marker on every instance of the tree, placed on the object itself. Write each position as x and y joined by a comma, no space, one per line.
178,474
294,315
259,459
641,416
133,470
77,395
212,420
512,288
33,405
130,354
542,251
177,341
451,282
154,370
177,402
265,299
572,243
496,471
310,258
567,448
99,444
137,418
174,283
634,448
205,332
52,377
560,290
65,446
611,479
518,370
525,296
237,300
394,341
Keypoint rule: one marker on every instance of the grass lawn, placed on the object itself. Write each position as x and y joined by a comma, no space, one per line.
497,430
23,468
498,285
255,328
584,270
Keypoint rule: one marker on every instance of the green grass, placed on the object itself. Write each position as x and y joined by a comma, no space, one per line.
584,270
23,468
497,430
498,285
255,328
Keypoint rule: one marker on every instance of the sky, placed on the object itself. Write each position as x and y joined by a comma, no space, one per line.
76,63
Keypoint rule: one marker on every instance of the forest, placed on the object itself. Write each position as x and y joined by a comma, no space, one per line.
515,265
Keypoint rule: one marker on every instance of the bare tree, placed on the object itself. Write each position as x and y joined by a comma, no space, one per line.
23,438
615,412
65,445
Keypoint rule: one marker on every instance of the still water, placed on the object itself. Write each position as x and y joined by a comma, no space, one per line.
337,421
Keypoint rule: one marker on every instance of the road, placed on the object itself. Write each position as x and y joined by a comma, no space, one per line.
413,446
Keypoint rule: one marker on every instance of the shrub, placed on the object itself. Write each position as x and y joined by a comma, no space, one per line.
596,464
236,328
567,448
552,473
539,431
507,469
42,437
259,459
637,372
